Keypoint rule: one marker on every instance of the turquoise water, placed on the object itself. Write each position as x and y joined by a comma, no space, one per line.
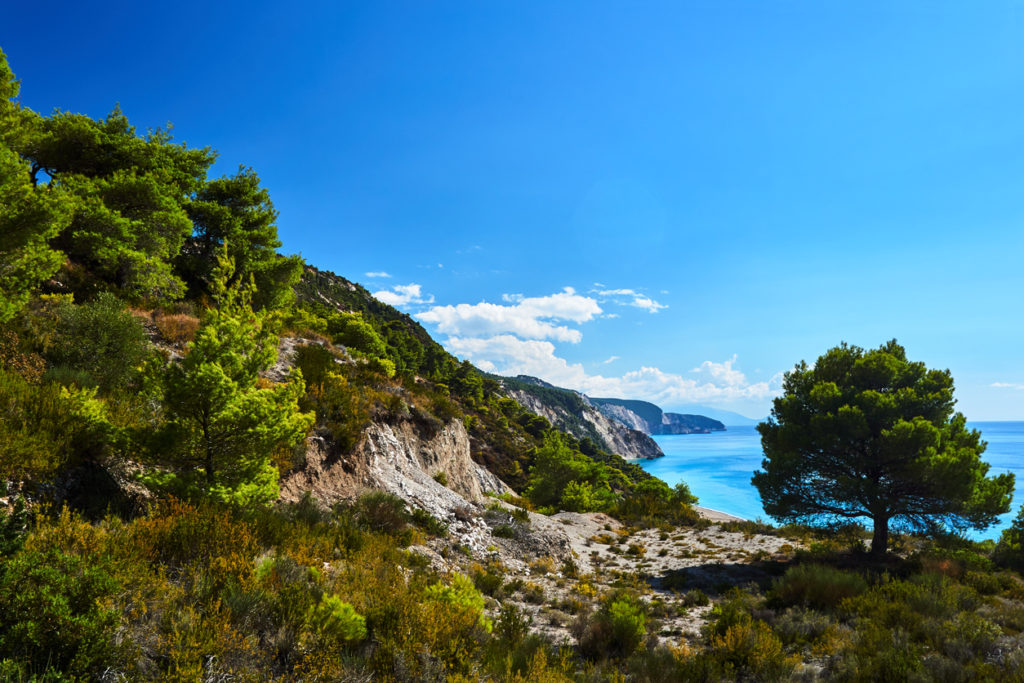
717,466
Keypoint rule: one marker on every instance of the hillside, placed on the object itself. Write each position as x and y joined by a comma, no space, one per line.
650,419
574,414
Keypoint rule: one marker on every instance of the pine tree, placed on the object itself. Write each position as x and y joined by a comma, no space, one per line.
223,422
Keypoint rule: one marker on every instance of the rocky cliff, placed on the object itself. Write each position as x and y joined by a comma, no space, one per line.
402,458
650,419
573,413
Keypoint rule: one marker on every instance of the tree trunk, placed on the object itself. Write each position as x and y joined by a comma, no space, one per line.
880,541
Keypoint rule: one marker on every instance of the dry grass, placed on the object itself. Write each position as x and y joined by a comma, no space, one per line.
176,328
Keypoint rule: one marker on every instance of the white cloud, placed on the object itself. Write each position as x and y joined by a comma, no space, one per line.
1008,385
518,337
508,355
525,317
721,373
379,273
631,297
403,295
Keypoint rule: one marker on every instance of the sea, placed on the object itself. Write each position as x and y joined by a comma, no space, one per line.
717,467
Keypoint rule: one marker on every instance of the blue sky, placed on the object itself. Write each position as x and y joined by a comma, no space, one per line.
674,201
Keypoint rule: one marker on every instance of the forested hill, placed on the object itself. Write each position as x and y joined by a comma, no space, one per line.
149,302
410,346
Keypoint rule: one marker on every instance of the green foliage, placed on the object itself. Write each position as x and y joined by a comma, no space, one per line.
407,344
616,629
45,428
382,512
816,586
222,424
652,501
335,619
749,651
1009,551
578,496
56,613
460,595
101,340
13,525
236,211
556,466
341,400
30,216
351,331
316,362
128,196
869,434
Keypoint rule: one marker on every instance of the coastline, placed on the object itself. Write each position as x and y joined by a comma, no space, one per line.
717,515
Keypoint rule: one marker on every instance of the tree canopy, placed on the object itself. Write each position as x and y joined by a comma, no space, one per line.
29,218
870,434
237,211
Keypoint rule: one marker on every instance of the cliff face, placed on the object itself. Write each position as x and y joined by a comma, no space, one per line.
400,458
583,420
625,416
675,423
650,419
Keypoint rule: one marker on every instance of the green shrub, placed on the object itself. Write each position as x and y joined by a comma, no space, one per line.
102,340
1009,551
504,531
13,525
750,651
56,612
382,512
461,595
558,469
986,583
816,586
46,427
316,362
616,630
342,409
488,580
879,654
353,332
429,523
578,496
695,598
512,626
334,619
799,626
735,610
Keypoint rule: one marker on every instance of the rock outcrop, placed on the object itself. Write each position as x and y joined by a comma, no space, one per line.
403,458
